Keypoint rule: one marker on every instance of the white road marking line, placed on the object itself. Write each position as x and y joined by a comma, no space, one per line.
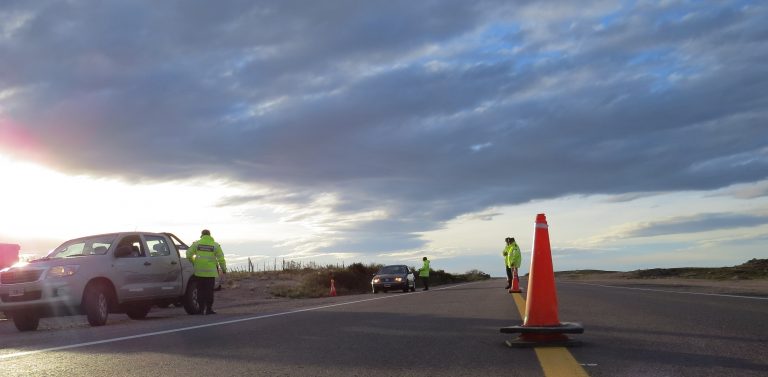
78,345
680,292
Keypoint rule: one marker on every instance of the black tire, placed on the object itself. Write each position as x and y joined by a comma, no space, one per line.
26,321
405,288
96,303
191,304
137,311
386,290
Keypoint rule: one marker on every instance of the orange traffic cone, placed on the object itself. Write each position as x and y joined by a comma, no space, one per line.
541,327
333,288
515,283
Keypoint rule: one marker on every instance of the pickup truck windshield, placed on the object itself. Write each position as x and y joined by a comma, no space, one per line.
83,247
393,270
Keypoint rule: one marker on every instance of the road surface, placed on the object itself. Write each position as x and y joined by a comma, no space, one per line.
446,331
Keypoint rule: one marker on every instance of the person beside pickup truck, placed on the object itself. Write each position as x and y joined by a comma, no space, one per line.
205,255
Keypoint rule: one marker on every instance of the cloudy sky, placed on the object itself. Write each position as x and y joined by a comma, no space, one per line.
381,131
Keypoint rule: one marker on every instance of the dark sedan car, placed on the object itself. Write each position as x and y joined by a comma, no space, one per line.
393,277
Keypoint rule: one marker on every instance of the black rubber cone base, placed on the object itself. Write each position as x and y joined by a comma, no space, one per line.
524,343
543,336
563,328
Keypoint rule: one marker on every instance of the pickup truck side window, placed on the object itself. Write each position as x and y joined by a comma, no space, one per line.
132,243
158,246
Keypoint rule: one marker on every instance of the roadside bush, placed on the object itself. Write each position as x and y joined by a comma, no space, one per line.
475,275
356,278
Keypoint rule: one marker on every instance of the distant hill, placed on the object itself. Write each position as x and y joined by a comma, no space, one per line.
752,269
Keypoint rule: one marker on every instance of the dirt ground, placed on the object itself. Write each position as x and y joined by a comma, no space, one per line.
252,290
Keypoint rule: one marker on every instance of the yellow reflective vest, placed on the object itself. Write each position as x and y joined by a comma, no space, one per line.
512,257
424,272
205,254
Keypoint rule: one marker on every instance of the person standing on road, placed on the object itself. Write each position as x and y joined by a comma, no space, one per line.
206,255
506,264
512,259
424,274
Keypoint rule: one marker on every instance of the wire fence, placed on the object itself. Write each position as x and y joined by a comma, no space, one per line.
281,264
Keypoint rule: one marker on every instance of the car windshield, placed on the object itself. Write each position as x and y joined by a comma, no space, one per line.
388,270
97,245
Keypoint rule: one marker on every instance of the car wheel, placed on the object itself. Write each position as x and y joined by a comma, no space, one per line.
191,305
405,288
137,311
26,321
386,290
97,304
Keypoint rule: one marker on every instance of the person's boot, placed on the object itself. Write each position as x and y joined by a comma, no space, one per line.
210,311
509,284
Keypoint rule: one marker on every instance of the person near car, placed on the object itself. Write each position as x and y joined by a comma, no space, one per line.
505,253
206,255
424,274
512,259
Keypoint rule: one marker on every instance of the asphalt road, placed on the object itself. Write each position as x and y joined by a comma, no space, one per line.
447,331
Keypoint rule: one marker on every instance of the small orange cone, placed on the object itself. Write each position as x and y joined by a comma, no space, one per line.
541,327
333,288
515,283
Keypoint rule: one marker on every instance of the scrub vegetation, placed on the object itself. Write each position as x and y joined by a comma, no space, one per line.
751,270
353,279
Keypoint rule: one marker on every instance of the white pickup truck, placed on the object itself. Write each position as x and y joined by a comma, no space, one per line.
126,272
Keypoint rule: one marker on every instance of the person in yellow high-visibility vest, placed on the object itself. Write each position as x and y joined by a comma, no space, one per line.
206,255
512,259
424,274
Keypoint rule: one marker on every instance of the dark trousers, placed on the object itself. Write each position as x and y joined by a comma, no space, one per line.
205,292
509,277
425,282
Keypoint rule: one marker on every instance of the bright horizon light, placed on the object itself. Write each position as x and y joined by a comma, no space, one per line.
51,206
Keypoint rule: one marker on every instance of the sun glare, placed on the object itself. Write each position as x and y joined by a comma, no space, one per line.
39,203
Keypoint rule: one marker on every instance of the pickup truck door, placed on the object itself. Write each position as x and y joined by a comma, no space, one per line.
131,267
164,266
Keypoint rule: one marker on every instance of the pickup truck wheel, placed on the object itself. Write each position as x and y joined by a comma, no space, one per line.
97,304
191,304
25,321
137,311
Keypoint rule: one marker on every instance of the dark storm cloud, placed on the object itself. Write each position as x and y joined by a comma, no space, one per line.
700,223
428,110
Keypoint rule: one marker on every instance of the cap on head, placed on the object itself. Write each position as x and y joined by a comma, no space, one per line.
205,232
425,258
511,239
507,239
